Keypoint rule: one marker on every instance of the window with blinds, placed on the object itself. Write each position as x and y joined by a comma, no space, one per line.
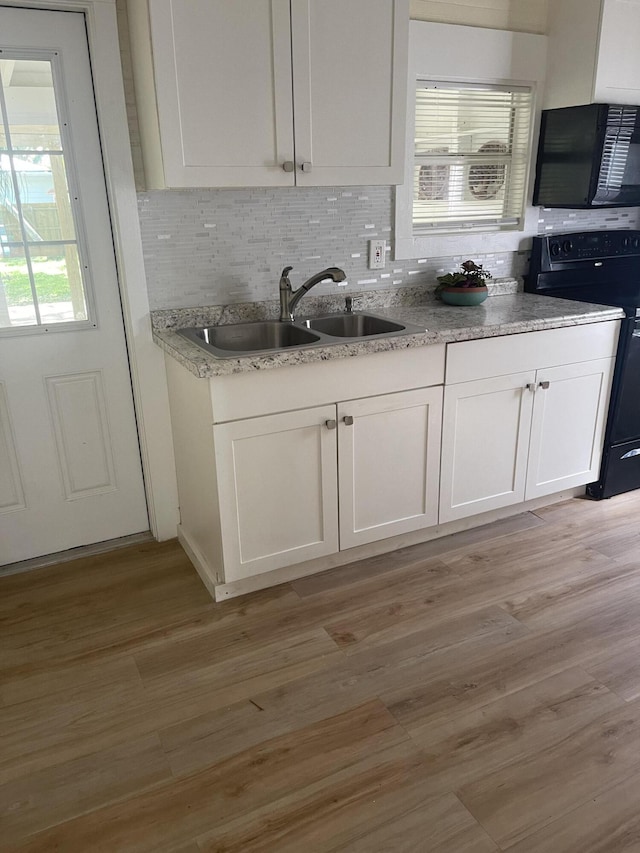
471,156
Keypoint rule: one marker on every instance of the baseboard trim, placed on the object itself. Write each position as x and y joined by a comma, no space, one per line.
384,546
207,575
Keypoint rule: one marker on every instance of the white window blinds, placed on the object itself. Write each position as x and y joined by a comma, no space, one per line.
471,156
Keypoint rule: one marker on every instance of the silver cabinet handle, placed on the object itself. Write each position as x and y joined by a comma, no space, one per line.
307,167
530,386
348,420
330,424
544,385
289,166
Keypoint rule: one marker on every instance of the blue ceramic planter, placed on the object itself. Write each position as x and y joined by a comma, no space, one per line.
464,295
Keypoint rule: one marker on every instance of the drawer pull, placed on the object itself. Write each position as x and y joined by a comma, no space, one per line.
348,419
330,424
289,166
530,386
307,167
544,385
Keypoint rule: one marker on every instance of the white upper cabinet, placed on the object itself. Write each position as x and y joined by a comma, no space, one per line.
271,92
223,84
349,90
593,52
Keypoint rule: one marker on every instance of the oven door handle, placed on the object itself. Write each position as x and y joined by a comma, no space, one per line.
631,453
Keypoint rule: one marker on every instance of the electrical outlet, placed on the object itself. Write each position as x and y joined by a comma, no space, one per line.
377,254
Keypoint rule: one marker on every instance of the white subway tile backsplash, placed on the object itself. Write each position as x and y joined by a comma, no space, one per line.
205,247
557,220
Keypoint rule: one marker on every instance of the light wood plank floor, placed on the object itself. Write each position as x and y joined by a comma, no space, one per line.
478,693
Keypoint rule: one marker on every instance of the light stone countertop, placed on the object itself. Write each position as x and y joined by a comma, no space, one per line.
499,315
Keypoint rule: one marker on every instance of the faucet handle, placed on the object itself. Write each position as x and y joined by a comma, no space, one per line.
285,284
350,302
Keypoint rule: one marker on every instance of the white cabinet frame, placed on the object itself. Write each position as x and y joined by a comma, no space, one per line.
360,122
288,93
277,490
567,430
388,465
517,437
485,444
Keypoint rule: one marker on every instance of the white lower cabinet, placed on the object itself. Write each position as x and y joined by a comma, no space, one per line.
567,430
485,444
388,465
278,490
277,468
282,477
512,438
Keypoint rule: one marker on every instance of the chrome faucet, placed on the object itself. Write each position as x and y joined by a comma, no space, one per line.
289,297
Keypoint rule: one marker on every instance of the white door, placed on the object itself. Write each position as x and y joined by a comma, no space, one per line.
485,444
349,88
278,490
567,432
70,471
389,465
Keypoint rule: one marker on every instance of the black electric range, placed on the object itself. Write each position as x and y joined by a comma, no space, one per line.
602,267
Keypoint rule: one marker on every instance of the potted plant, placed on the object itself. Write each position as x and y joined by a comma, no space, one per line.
464,288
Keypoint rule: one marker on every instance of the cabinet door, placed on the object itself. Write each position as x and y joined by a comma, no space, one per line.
278,492
349,86
388,465
617,77
569,416
485,440
223,85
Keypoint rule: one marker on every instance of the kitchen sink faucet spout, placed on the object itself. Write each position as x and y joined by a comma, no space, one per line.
289,297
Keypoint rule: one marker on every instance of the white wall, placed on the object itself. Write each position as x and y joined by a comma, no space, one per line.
528,16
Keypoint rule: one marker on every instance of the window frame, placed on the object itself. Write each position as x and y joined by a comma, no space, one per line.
465,160
67,151
449,53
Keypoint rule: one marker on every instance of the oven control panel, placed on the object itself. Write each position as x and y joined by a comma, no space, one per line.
589,245
591,266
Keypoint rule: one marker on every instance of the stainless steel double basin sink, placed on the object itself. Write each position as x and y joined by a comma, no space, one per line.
269,336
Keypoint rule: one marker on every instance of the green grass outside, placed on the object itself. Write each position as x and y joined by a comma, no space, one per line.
50,276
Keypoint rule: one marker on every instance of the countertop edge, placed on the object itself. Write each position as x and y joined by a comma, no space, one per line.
206,366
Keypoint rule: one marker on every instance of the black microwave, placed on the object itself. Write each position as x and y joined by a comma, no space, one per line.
589,156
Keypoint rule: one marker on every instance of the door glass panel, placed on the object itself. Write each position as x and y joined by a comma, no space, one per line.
44,196
9,215
42,277
17,306
58,279
31,104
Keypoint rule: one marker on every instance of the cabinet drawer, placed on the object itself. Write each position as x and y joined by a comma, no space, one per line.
489,357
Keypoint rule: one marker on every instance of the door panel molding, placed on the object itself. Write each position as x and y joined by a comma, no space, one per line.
12,495
81,428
